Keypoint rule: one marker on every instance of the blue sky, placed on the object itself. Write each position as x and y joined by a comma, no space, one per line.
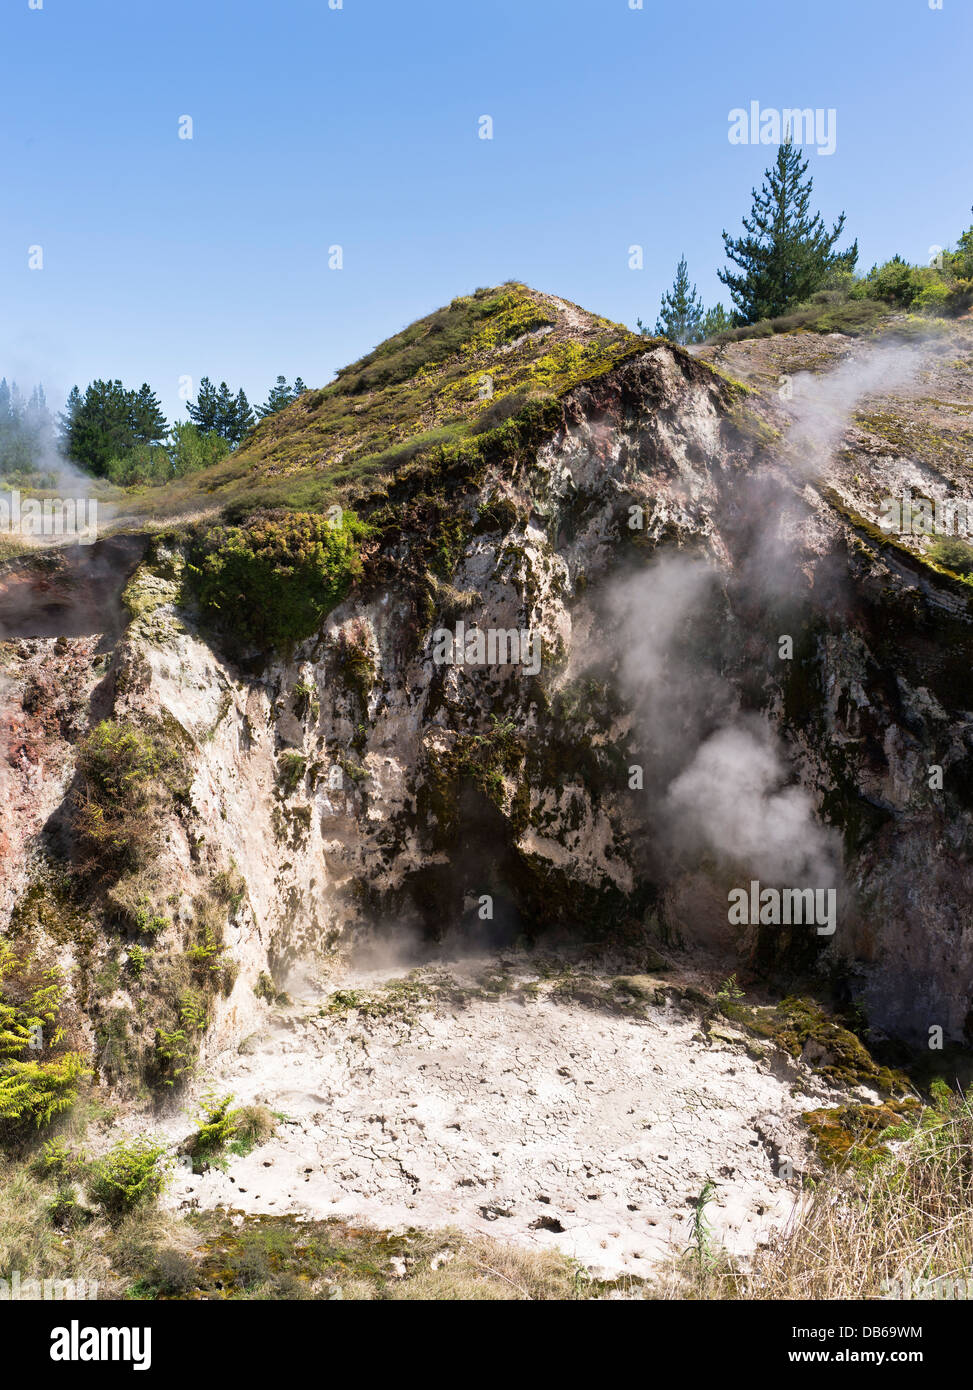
358,126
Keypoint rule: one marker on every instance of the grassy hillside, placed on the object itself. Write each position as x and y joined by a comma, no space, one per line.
447,379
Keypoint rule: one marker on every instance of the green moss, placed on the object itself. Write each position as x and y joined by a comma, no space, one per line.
47,907
355,661
487,761
752,427
804,1029
883,540
271,582
852,1135
918,440
148,590
402,999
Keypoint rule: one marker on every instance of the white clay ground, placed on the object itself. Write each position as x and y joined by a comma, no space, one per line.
540,1121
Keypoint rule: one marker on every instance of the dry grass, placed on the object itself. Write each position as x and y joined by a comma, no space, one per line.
885,1220
452,1268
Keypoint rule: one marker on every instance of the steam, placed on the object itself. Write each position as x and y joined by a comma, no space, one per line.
718,776
822,404
731,801
720,779
53,502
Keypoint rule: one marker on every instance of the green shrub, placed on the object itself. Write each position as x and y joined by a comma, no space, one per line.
218,1125
270,582
66,1212
128,1177
306,700
56,1160
192,449
222,1129
934,295
173,1054
122,769
118,759
896,282
254,1126
266,989
960,261
32,1094
290,772
230,887
944,288
34,1089
954,554
30,996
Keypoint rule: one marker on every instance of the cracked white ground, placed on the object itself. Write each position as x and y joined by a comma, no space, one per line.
530,1119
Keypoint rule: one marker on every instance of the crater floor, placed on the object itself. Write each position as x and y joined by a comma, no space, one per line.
500,1096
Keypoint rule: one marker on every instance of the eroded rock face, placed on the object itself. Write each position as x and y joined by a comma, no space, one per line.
360,785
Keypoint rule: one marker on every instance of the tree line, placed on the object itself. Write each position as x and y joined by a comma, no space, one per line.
786,255
122,434
26,429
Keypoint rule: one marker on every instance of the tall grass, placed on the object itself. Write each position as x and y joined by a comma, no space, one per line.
891,1219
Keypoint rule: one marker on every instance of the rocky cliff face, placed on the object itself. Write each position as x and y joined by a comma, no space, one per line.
640,742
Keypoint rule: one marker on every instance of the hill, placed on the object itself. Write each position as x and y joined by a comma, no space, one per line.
438,385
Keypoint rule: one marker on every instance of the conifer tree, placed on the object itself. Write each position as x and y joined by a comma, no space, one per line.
280,395
149,425
682,310
204,413
220,412
240,420
786,253
99,426
715,320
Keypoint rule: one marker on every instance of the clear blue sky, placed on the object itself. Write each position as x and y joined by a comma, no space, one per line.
312,126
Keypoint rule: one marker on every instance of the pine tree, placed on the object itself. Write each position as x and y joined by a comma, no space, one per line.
149,425
787,254
99,426
682,310
715,320
298,388
241,419
65,420
204,413
225,412
220,412
280,395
